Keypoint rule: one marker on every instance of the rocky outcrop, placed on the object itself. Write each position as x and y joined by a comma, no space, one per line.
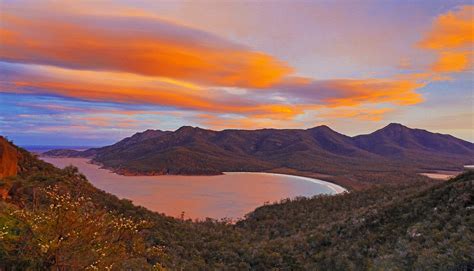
8,159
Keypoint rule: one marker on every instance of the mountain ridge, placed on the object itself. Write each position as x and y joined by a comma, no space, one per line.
318,150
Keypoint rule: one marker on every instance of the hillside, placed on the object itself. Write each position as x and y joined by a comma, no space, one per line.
380,229
390,155
421,226
419,147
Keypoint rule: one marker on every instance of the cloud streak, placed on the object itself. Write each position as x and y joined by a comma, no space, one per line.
347,92
138,44
133,89
296,95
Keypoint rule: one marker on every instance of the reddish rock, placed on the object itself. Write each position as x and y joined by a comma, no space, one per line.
8,159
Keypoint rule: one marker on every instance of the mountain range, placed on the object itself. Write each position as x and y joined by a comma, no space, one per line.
395,151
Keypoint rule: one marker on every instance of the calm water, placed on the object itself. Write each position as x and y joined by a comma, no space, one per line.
231,195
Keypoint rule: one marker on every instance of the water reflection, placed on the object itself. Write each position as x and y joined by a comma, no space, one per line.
231,195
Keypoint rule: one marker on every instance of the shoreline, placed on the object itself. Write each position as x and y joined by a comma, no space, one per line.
334,187
228,195
338,189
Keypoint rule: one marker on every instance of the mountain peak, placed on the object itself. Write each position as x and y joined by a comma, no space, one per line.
393,129
187,128
322,128
147,134
396,126
190,130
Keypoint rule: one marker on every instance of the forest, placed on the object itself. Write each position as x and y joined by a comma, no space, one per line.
54,219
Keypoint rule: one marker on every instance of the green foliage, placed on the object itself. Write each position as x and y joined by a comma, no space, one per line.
416,226
411,227
65,233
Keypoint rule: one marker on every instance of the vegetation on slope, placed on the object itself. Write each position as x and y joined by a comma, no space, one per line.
385,228
55,218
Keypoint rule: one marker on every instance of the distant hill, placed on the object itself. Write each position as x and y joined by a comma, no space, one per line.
319,150
417,146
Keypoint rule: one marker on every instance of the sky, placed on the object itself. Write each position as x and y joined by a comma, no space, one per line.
88,73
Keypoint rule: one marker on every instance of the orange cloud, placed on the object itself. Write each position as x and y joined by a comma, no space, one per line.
294,98
452,62
452,37
451,30
376,91
351,92
135,89
144,45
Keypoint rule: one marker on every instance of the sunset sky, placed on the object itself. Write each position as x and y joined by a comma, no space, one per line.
92,72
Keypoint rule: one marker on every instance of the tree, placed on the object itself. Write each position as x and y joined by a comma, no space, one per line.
71,234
